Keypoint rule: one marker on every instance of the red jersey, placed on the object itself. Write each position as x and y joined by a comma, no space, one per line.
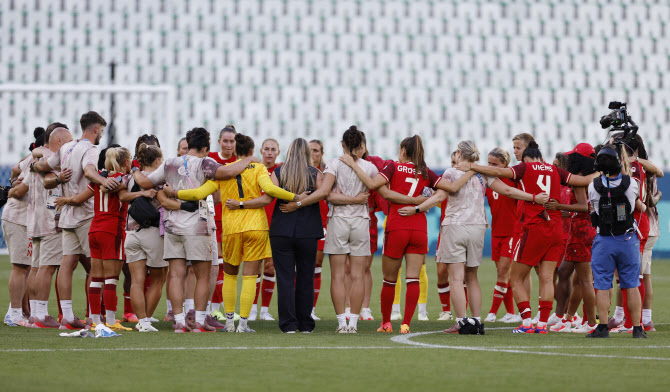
217,157
110,213
503,211
323,207
401,179
566,196
638,173
271,207
536,178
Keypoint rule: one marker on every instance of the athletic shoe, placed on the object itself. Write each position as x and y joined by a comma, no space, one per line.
153,320
620,329
599,332
612,323
490,318
445,316
169,316
117,327
454,329
516,318
536,319
289,332
266,316
395,316
190,324
366,314
203,328
522,329
245,329
385,327
314,317
343,329
190,316
129,318
638,332
253,315
8,319
404,328
584,328
561,327
145,328
229,327
181,328
23,322
48,322
576,321
553,319
74,324
218,315
541,330
211,321
649,327
481,329
352,329
423,316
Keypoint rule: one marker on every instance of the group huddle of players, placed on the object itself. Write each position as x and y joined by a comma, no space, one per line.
116,212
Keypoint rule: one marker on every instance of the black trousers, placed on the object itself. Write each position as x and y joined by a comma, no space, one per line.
294,261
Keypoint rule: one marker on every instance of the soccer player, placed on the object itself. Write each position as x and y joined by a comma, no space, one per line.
188,233
224,157
463,230
182,147
269,153
42,227
404,236
541,242
443,289
503,211
144,242
316,147
81,157
245,234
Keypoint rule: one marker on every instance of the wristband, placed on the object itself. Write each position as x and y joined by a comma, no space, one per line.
533,199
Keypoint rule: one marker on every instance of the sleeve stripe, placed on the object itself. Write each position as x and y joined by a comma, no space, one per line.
513,172
437,181
386,178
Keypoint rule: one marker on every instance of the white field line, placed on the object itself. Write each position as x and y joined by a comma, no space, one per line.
35,350
406,339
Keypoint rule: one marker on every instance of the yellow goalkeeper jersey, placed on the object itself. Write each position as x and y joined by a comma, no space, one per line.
248,185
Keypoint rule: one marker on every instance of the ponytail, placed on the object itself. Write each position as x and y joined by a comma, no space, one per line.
532,151
114,159
147,154
469,150
413,147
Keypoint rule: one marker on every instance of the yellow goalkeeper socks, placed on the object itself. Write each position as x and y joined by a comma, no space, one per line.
229,292
247,295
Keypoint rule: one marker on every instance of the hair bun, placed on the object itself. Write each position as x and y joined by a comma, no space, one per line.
533,144
38,132
353,128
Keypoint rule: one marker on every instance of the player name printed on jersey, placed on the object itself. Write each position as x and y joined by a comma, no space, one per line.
536,178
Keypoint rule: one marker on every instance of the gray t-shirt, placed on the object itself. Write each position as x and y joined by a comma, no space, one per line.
174,172
75,155
41,202
466,206
348,183
16,210
631,194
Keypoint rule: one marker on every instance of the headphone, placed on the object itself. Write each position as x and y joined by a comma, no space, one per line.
604,160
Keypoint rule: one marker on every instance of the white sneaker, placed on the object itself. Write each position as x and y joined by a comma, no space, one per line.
343,329
352,330
314,316
153,319
253,314
553,319
536,319
266,316
561,327
244,329
584,328
576,321
145,328
366,314
423,316
445,316
506,318
490,318
395,316
8,319
230,326
347,313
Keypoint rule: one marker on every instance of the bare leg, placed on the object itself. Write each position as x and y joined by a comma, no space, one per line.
474,291
153,294
138,274
177,277
457,279
368,282
337,282
564,286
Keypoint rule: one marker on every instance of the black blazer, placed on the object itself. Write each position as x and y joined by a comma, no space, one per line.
302,223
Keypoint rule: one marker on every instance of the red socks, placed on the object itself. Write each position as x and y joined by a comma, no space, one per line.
524,309
127,306
386,297
411,299
267,289
545,310
626,312
109,295
217,297
317,284
445,296
509,300
499,292
94,294
258,288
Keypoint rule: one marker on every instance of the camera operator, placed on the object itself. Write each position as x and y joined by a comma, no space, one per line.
616,246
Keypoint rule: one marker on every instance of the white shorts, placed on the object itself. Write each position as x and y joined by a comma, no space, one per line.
189,247
20,247
461,244
646,256
75,241
348,236
48,250
146,244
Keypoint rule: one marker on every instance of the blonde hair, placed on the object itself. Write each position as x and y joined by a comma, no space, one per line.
625,162
469,150
270,140
525,137
320,163
115,157
502,154
295,171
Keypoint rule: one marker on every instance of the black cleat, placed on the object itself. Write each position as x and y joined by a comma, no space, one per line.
601,331
638,332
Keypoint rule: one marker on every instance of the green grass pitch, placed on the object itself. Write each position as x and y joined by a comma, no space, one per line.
268,360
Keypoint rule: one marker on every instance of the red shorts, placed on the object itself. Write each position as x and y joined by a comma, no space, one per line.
543,242
580,243
501,247
106,246
397,243
219,230
322,242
